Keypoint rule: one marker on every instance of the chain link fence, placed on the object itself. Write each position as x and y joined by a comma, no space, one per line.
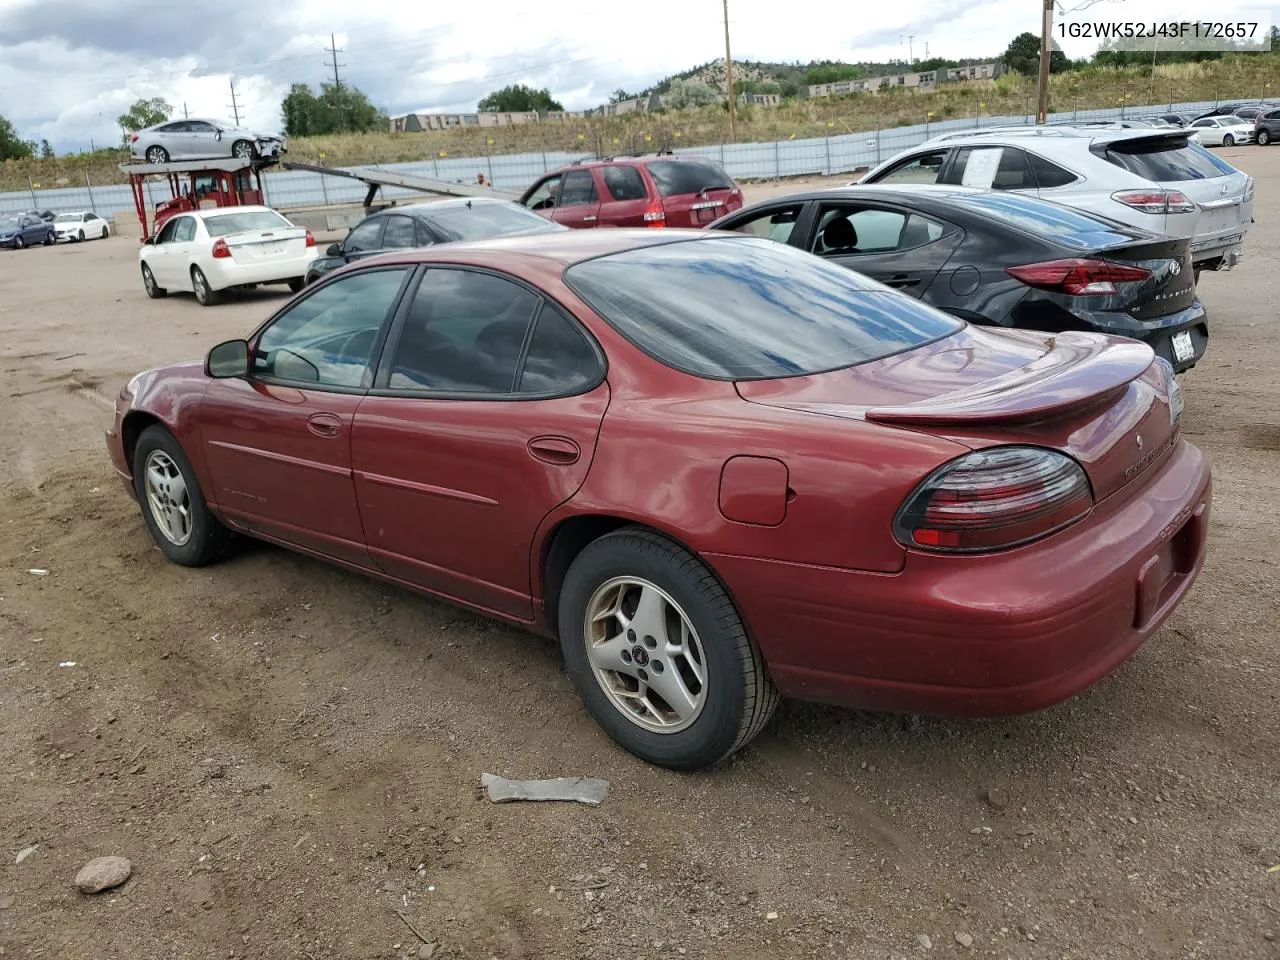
819,156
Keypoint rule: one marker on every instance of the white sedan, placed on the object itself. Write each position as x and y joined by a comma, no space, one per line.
209,251
83,225
1223,131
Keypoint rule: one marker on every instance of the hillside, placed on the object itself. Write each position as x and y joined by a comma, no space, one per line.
1093,87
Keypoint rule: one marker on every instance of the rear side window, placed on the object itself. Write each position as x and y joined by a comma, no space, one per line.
1049,175
625,183
745,308
677,177
1167,160
559,359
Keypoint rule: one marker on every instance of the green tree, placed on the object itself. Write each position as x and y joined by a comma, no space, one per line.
941,63
620,94
1023,56
12,146
337,109
832,73
685,94
518,98
46,150
143,113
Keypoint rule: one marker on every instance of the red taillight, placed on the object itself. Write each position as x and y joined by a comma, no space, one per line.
994,499
311,239
133,138
655,215
1156,201
1078,277
220,249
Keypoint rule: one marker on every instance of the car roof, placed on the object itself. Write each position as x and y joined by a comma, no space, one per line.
633,161
218,211
424,207
1054,132
562,247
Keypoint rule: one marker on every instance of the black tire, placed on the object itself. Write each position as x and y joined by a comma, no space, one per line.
18,242
244,150
154,290
1228,141
80,237
104,234
157,154
1196,274
1264,137
209,539
206,296
739,696
297,283
50,239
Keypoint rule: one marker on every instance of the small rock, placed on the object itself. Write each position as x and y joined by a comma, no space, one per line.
1133,819
1025,831
37,572
771,915
924,942
964,940
997,798
1268,936
7,902
26,852
427,951
103,873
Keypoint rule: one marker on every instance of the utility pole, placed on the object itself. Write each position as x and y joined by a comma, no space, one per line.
333,50
911,56
185,115
235,106
728,78
926,49
1046,37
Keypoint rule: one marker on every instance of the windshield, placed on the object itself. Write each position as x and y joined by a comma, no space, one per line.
225,224
9,223
479,221
67,218
746,308
676,177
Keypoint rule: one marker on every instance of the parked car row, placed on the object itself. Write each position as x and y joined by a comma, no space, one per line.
36,227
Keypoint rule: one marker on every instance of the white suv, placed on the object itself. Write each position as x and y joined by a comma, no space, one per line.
1157,180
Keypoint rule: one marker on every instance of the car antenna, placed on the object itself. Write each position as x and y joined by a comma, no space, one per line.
468,204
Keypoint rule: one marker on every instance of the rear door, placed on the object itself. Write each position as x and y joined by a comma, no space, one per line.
579,201
894,245
626,196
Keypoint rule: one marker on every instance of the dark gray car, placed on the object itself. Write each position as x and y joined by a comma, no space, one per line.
999,258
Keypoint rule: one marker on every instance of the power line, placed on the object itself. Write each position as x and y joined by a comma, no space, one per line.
235,107
333,50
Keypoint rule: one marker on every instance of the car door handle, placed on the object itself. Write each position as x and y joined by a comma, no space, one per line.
588,219
324,425
560,451
902,280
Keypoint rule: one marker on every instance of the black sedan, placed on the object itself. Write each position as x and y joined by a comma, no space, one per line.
426,224
999,258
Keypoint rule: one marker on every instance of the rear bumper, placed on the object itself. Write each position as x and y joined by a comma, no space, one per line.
984,636
226,273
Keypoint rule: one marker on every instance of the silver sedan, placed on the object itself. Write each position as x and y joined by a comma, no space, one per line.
197,139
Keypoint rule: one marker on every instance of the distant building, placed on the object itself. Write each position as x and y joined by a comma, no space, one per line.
419,122
620,108
926,80
759,99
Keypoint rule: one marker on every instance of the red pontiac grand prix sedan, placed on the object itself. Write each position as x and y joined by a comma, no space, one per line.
717,468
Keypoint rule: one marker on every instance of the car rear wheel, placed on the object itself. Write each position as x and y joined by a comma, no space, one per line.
243,150
1264,137
1228,141
297,283
205,295
172,504
157,155
154,290
659,653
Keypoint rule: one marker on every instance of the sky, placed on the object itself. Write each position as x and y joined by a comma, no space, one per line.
68,68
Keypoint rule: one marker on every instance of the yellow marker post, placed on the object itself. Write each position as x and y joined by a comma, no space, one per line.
323,154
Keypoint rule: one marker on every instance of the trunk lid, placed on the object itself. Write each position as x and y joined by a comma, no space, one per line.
1102,400
276,243
693,192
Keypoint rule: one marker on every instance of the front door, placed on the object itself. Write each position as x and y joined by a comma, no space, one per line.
277,444
476,429
579,204
160,258
202,140
898,247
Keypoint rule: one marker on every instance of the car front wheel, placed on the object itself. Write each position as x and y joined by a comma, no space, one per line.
154,290
1264,137
18,243
243,150
659,653
1228,141
172,504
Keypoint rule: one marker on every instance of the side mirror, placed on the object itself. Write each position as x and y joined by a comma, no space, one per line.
335,250
150,241
228,360
217,135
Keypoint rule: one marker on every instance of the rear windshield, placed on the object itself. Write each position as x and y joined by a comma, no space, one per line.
1167,160
746,308
675,177
480,220
225,224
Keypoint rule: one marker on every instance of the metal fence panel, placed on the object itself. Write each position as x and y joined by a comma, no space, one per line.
830,155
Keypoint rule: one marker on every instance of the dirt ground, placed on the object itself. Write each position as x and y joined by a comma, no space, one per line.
290,755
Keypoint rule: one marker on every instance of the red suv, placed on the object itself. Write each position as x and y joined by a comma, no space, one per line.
651,191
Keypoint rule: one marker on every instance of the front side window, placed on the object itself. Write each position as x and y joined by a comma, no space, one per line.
846,231
775,224
742,308
922,169
464,333
543,196
366,236
328,338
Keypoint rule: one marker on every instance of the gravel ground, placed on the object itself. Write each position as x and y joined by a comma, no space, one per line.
290,754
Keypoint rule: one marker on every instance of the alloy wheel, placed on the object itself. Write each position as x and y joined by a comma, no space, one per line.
645,654
168,498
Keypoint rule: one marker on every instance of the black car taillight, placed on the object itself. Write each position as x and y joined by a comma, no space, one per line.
1078,277
994,499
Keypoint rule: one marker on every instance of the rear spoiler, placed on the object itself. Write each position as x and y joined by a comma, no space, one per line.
1077,370
1154,139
